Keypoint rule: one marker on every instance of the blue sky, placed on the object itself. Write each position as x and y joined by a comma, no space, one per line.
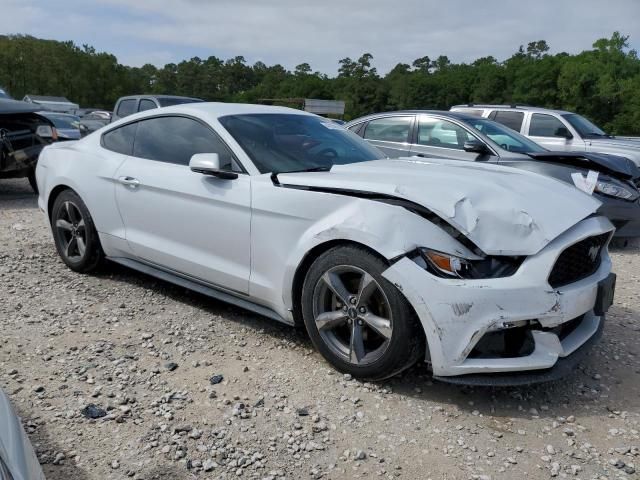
290,32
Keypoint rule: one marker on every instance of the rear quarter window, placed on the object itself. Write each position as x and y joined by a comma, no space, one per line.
120,140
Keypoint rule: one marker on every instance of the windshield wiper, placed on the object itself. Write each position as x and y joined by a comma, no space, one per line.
324,168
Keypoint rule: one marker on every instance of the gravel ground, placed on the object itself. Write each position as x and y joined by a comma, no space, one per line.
147,355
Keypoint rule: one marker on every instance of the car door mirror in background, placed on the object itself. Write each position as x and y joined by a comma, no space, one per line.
563,132
209,164
476,146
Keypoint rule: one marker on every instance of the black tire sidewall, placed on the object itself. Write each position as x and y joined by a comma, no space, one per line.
406,344
93,252
32,181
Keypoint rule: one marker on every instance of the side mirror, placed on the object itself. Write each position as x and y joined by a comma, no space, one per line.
475,146
563,132
209,164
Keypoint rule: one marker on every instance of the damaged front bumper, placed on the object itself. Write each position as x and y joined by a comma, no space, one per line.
466,321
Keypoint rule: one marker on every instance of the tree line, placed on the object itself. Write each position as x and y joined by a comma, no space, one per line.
602,83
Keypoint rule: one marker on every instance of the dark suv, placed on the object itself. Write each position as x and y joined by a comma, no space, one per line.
139,103
23,134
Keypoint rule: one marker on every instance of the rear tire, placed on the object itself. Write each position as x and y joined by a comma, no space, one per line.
75,234
358,320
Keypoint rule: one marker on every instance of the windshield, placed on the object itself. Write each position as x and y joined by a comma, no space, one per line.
583,126
64,121
278,142
504,137
168,102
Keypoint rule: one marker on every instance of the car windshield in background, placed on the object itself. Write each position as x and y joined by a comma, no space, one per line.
168,102
64,121
504,136
288,142
583,126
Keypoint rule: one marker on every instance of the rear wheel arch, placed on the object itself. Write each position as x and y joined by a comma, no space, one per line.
55,192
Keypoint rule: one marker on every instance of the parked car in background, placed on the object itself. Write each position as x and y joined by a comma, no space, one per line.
476,268
556,130
126,106
54,104
460,136
67,125
81,112
23,134
18,461
94,121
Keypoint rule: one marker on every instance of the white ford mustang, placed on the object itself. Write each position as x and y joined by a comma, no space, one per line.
484,272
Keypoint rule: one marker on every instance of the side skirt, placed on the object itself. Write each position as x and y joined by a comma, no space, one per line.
202,288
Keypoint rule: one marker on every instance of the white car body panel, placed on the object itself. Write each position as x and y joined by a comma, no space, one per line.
196,212
17,457
250,235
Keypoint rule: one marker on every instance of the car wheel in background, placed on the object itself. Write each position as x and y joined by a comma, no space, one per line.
357,319
75,234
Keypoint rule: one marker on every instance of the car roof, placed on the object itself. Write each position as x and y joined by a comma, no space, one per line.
16,106
212,110
135,97
56,114
443,113
525,108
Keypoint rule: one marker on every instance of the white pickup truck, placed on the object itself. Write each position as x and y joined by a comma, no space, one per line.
557,130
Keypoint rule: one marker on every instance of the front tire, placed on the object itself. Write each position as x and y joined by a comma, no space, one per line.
357,319
75,234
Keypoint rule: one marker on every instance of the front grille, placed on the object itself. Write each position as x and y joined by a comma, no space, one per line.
578,261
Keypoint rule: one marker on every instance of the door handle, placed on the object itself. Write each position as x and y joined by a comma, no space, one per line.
421,155
129,181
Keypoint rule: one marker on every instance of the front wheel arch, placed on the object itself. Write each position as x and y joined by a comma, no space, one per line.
305,264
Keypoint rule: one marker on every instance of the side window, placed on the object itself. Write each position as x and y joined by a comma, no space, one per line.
390,129
120,139
356,128
177,139
510,119
435,132
146,104
126,107
544,125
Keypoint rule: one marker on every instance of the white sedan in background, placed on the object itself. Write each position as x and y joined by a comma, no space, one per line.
482,271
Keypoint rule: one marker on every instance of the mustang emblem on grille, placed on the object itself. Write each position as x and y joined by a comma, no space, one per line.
593,253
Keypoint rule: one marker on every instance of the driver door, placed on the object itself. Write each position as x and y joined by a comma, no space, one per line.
185,222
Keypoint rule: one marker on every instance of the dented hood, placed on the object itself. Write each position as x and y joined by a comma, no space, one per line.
504,211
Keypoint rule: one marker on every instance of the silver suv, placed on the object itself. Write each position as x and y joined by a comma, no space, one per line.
557,130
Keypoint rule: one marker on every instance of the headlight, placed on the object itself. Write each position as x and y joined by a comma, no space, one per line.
450,266
616,190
